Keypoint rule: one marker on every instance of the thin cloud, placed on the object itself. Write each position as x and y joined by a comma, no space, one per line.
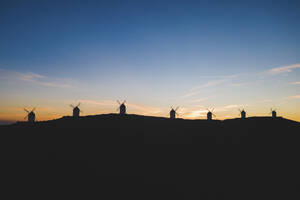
38,109
295,83
294,97
58,85
99,102
29,76
190,94
235,106
229,107
196,113
284,69
202,112
34,78
238,84
198,100
145,109
265,100
215,82
210,84
196,90
141,109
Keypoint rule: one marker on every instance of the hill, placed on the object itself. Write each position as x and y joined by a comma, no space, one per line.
113,157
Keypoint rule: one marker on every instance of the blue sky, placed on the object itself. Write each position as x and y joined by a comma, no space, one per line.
195,54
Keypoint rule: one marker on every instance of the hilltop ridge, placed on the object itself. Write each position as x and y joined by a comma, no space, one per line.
153,157
144,117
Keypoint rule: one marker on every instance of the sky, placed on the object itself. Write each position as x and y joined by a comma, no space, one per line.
197,55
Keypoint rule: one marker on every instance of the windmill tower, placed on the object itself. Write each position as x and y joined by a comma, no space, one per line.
273,112
30,115
243,113
76,110
173,113
122,107
210,114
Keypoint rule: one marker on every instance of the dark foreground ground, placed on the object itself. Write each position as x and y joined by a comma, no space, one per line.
136,157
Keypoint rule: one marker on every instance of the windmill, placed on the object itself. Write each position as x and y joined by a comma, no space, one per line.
210,114
122,107
30,115
243,113
173,112
273,112
76,110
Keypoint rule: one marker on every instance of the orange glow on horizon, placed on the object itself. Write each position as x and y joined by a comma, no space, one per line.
40,116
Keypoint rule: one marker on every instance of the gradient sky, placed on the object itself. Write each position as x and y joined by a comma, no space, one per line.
155,54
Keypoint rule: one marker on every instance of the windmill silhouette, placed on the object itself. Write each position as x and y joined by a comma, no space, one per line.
273,112
173,112
210,114
243,113
76,110
30,115
122,107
